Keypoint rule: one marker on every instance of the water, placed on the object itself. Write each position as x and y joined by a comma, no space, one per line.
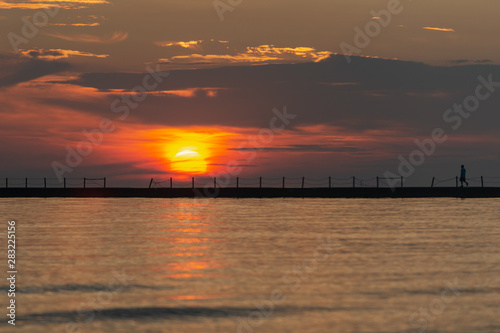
255,265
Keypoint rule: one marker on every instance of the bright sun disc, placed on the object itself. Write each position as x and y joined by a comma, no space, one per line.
188,154
189,161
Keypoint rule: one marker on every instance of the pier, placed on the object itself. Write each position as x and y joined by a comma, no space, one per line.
259,187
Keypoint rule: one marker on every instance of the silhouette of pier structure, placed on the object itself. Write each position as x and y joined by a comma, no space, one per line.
257,187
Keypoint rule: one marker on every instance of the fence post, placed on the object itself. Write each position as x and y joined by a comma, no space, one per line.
6,182
401,181
171,183
64,182
361,182
303,179
283,182
192,182
482,181
260,182
45,182
215,182
237,182
456,180
432,184
377,181
84,182
104,182
353,182
150,183
330,182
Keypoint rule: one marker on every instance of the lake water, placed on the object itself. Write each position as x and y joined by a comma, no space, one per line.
255,265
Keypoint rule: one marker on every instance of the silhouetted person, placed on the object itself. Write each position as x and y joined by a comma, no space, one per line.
462,176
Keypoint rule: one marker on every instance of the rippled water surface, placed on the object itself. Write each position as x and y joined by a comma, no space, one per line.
255,265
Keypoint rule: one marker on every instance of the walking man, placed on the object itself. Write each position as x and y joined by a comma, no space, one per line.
462,176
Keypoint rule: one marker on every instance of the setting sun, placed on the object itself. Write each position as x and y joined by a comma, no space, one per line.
189,161
190,151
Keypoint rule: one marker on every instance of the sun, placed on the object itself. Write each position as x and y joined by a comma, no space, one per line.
187,152
188,161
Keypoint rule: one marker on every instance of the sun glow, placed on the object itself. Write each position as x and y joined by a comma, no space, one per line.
185,152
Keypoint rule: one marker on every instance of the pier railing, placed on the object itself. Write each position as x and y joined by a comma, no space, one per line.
305,182
476,181
55,183
255,182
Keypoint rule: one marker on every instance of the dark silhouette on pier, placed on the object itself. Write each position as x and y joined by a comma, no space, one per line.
462,176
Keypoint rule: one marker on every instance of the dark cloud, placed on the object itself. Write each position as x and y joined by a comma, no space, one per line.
306,148
44,53
15,69
237,165
471,61
387,95
483,61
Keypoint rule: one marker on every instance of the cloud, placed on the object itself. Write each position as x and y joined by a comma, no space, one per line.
35,4
263,54
15,69
116,37
475,61
184,93
306,53
300,148
95,24
193,44
53,54
367,95
92,22
439,29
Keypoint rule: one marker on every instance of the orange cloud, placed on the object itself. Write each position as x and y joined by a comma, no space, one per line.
74,24
260,54
304,52
188,93
438,29
116,37
193,44
35,4
185,93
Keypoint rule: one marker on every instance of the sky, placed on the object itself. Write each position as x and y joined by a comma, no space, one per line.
133,90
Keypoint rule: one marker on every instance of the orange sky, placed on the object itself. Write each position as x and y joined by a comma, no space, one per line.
229,75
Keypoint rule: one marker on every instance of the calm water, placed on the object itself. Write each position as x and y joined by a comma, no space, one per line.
255,265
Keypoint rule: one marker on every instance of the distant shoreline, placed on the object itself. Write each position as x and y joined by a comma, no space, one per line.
407,192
